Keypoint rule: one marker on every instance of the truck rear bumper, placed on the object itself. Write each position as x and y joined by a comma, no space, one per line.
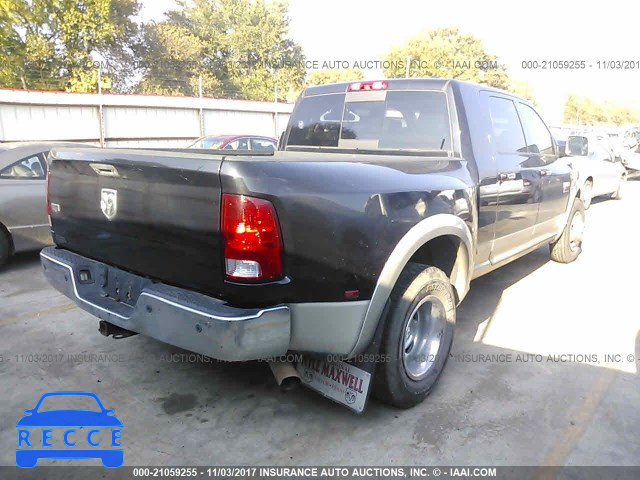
173,315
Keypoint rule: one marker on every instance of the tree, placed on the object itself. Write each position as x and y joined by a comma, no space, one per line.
322,77
572,108
57,44
583,110
239,48
446,53
522,89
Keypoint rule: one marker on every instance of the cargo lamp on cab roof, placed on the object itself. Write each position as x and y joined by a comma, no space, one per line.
364,86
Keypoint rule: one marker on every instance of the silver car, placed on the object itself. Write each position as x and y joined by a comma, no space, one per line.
23,212
599,171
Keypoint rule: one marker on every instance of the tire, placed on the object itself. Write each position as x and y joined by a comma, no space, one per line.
412,367
569,246
586,194
5,248
618,194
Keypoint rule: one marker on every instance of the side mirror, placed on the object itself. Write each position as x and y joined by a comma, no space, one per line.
577,146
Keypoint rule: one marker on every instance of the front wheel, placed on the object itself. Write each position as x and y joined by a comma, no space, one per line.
618,194
418,334
569,246
5,247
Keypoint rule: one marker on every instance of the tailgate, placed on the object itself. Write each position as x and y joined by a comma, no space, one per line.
154,213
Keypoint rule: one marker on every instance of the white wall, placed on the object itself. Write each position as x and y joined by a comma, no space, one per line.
132,120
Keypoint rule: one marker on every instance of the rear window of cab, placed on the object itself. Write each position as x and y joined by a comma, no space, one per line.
387,120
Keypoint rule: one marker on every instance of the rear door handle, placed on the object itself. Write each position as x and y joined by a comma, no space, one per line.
502,177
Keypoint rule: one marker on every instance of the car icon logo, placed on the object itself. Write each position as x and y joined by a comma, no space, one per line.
97,429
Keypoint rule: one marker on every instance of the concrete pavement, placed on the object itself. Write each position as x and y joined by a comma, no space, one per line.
544,370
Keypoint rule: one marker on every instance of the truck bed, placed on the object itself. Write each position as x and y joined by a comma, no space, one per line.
338,224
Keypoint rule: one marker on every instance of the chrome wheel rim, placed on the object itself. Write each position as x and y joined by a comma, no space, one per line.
576,231
423,335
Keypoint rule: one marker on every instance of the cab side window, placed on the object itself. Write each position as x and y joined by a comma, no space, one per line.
507,134
539,139
29,168
262,145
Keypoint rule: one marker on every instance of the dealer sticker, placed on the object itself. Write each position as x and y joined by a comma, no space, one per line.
338,381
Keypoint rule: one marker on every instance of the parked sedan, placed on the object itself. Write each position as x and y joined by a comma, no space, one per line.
23,214
599,172
236,142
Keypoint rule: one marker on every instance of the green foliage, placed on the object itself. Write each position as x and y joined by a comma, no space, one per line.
582,110
446,53
54,44
335,75
240,48
522,89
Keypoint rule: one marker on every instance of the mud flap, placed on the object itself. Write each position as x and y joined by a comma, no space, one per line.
348,382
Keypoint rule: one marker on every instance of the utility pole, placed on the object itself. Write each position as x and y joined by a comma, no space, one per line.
200,110
275,109
100,113
408,66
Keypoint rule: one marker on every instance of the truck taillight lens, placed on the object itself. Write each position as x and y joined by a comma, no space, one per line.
49,211
252,240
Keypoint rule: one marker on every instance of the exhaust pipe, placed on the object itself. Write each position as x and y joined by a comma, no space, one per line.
107,329
285,374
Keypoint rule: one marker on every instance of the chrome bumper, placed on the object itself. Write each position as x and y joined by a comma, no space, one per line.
172,315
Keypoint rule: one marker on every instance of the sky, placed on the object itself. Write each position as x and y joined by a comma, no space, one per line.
350,31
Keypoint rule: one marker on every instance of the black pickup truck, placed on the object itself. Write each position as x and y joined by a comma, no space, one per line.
384,200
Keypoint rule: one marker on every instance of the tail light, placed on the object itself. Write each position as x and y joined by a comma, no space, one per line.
252,240
49,210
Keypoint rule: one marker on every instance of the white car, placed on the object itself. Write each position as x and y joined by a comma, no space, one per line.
599,172
631,161
631,156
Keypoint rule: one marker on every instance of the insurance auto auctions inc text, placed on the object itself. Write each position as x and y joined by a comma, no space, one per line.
592,358
351,472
